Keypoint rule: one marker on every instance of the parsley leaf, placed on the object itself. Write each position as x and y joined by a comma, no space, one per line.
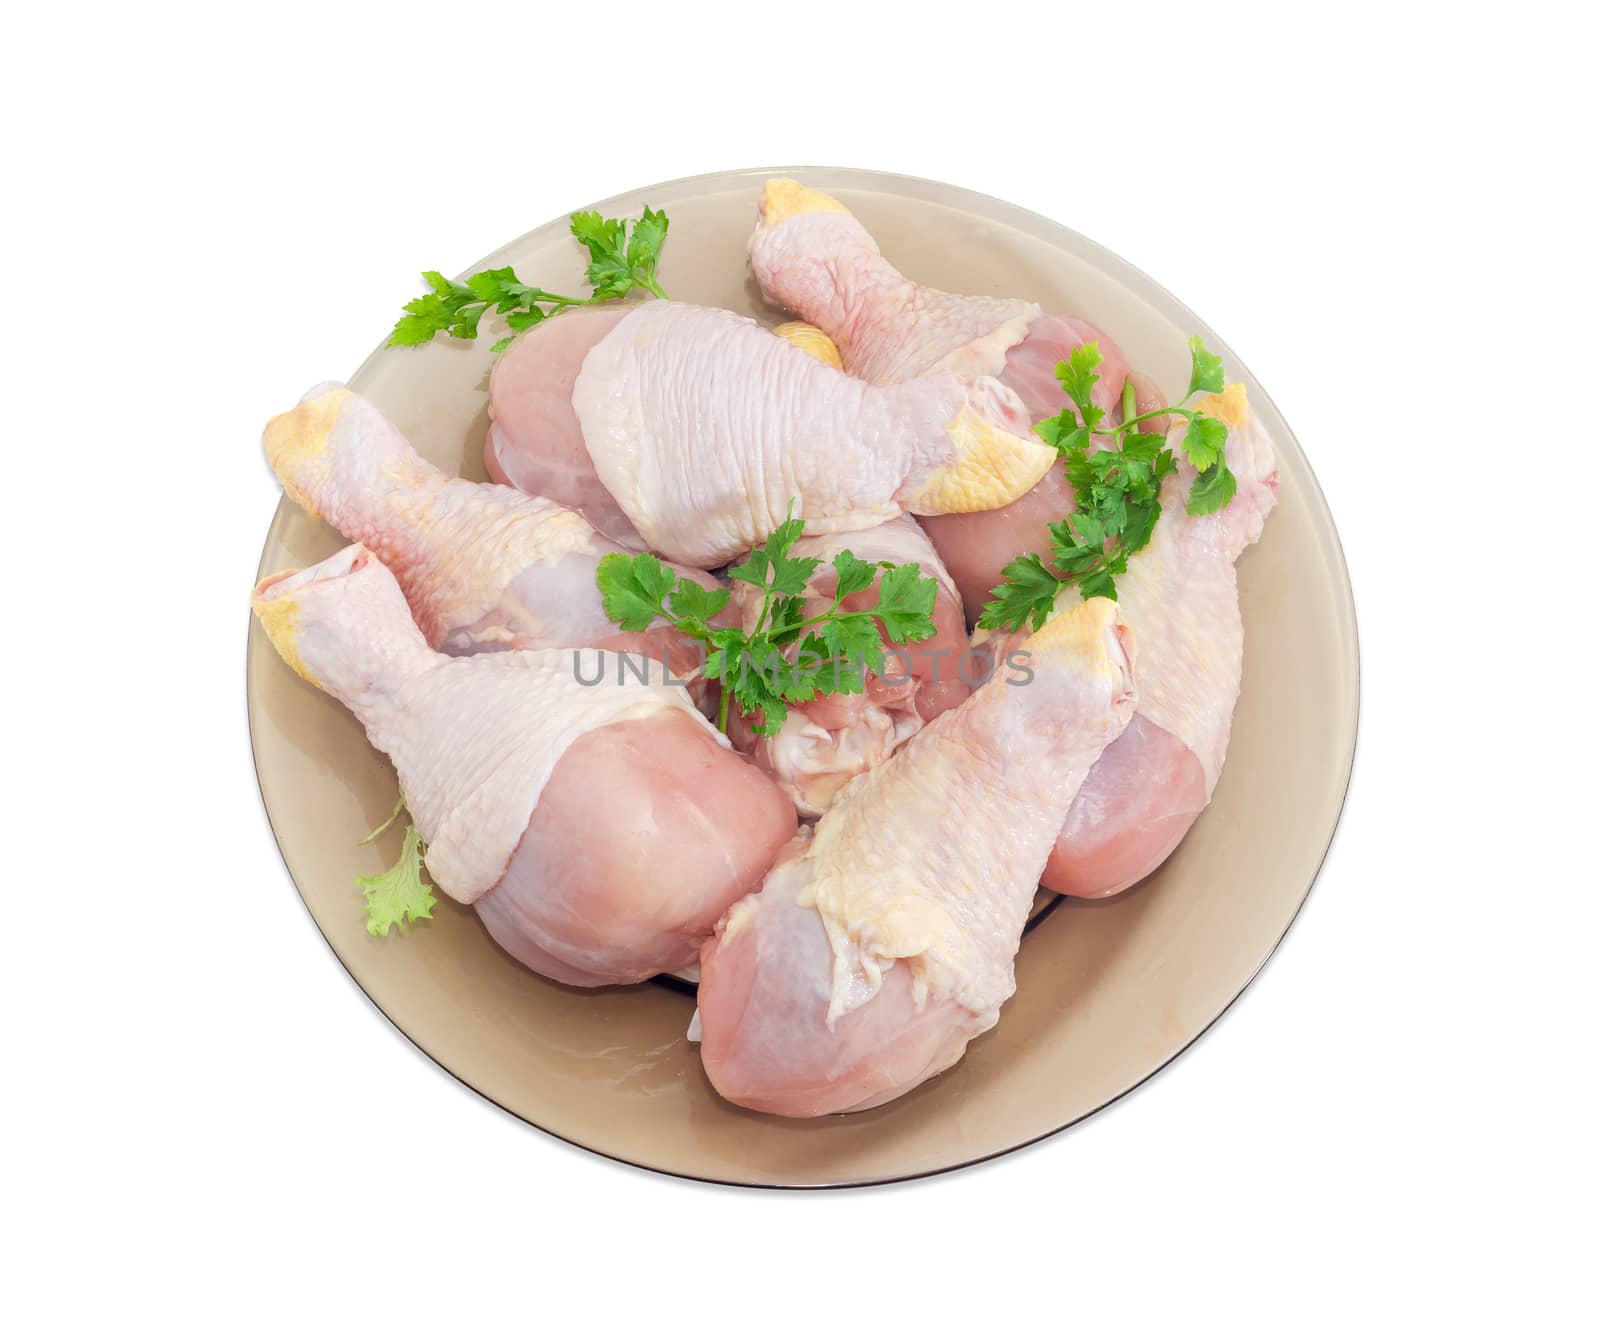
905,603
601,236
1063,432
1205,371
623,258
1204,441
756,684
854,574
852,639
1072,429
399,896
644,248
1212,491
633,588
770,567
692,602
1077,375
1026,593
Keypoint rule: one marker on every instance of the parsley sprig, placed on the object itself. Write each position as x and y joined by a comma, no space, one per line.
1117,487
787,657
400,895
622,256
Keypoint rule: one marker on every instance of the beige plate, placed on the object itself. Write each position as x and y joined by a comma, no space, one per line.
1107,992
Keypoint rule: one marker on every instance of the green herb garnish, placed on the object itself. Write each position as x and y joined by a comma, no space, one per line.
786,658
622,255
1117,487
400,895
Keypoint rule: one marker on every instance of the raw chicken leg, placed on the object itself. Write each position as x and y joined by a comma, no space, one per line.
825,743
703,426
810,255
1180,595
483,567
882,942
502,757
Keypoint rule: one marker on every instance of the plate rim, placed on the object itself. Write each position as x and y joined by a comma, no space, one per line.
1132,279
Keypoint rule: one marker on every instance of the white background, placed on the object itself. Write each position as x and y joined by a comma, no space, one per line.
1385,210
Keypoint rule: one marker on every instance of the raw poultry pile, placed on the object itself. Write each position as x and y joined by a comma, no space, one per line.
725,582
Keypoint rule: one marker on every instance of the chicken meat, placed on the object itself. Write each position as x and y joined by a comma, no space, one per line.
700,427
501,757
883,940
826,742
